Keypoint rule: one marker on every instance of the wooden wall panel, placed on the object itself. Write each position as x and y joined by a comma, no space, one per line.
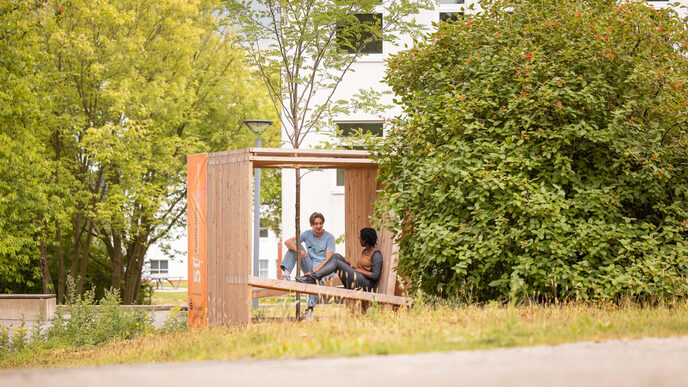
237,241
229,239
359,195
212,230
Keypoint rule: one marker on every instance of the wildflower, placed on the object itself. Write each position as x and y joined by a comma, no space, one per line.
578,15
591,25
127,332
598,36
470,22
529,56
559,105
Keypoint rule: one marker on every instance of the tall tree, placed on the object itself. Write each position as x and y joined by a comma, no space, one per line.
313,44
119,93
27,204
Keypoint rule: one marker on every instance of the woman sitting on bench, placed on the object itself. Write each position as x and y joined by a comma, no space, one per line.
362,276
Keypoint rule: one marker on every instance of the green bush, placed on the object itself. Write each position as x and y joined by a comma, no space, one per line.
89,325
542,154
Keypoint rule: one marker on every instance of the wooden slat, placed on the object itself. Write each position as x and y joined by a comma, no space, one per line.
297,287
388,279
310,162
213,245
309,152
260,293
359,195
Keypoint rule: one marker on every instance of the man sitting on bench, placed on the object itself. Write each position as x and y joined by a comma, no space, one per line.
362,276
319,247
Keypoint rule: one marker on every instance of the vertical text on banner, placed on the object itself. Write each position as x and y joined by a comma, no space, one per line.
197,248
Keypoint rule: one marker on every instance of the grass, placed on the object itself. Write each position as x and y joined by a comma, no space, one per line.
420,329
169,298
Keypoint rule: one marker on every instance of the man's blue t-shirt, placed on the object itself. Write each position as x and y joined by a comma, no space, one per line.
318,247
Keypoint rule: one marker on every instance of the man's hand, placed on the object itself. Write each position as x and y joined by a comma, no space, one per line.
303,254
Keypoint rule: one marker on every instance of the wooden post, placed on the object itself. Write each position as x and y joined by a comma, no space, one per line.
279,260
229,238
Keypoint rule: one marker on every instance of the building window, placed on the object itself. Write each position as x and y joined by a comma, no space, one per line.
263,230
450,16
363,35
451,1
159,266
263,268
348,129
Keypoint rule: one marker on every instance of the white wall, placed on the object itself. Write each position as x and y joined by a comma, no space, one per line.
318,189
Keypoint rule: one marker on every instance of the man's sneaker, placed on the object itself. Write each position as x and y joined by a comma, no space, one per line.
307,279
308,314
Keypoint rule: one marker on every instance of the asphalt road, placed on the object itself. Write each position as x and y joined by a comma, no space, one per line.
646,362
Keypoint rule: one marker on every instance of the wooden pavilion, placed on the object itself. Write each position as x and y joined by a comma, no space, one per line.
220,229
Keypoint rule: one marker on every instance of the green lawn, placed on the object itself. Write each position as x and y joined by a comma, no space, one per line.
419,329
169,298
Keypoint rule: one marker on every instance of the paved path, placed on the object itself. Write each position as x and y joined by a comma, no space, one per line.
647,362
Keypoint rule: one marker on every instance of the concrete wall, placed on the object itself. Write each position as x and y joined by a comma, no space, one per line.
27,307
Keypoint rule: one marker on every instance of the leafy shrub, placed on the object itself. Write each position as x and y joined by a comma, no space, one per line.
542,153
89,325
176,322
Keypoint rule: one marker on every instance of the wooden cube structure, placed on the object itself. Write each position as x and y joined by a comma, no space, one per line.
220,226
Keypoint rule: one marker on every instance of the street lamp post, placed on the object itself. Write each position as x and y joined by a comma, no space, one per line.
258,127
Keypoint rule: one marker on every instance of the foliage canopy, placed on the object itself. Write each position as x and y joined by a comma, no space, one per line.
543,153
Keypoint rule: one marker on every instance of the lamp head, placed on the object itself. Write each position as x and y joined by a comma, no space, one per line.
257,126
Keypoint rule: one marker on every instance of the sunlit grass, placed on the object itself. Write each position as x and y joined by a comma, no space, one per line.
169,298
419,329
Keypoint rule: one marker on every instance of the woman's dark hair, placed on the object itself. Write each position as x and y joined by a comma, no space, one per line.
369,236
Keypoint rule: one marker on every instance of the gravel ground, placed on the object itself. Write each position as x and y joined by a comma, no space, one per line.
646,362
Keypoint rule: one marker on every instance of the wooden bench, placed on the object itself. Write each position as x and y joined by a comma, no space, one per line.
322,290
384,293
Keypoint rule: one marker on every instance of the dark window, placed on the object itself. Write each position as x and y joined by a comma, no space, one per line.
366,127
159,266
451,1
263,231
340,177
450,16
348,129
364,34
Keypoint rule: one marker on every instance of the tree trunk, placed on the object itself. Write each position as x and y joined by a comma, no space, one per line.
60,264
135,256
297,220
116,264
45,273
77,244
84,258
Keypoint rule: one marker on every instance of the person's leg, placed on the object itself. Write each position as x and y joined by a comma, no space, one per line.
312,298
289,262
351,278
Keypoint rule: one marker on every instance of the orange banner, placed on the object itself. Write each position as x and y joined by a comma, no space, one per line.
197,187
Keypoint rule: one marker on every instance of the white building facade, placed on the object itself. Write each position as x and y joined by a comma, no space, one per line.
323,191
